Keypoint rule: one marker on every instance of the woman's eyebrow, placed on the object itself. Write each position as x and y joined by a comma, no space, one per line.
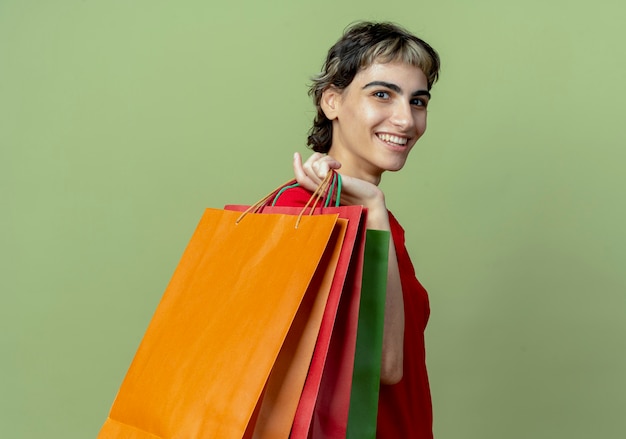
394,87
421,93
388,85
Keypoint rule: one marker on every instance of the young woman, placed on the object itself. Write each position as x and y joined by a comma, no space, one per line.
371,99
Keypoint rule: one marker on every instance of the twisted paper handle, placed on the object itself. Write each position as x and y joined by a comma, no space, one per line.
325,189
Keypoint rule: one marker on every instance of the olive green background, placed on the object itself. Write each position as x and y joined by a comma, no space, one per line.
120,121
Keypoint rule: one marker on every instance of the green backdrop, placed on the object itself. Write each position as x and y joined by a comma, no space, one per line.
120,121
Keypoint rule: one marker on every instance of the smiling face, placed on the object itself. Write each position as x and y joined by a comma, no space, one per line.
377,118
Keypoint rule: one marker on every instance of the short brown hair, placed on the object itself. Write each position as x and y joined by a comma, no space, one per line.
361,45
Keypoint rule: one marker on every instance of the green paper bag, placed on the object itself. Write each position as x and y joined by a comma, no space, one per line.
367,359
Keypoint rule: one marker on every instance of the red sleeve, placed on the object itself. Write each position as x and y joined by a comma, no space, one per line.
293,197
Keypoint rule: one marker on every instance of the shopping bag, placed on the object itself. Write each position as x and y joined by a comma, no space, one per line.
305,350
328,416
367,359
326,395
323,408
208,351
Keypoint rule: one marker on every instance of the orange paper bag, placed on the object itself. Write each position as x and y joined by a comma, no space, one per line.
213,340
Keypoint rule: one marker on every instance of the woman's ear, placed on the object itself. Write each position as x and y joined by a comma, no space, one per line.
330,102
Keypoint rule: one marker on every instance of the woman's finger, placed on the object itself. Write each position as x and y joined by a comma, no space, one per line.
300,172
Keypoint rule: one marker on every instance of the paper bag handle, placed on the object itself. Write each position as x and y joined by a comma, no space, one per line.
325,189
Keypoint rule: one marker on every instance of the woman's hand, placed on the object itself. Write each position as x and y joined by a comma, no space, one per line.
354,190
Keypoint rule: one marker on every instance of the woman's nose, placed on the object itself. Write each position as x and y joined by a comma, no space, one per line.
402,117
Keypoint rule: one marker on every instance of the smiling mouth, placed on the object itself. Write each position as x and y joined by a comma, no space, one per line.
394,140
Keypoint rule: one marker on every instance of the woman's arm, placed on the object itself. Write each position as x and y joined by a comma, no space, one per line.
359,192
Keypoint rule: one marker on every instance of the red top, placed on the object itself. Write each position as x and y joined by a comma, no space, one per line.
404,409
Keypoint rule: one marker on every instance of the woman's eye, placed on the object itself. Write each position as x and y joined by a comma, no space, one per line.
419,102
381,94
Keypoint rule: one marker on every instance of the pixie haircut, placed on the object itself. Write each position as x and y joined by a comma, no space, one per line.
362,45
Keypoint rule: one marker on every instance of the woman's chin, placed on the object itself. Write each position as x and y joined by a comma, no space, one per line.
395,166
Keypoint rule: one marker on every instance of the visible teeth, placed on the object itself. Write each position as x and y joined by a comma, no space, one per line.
393,139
